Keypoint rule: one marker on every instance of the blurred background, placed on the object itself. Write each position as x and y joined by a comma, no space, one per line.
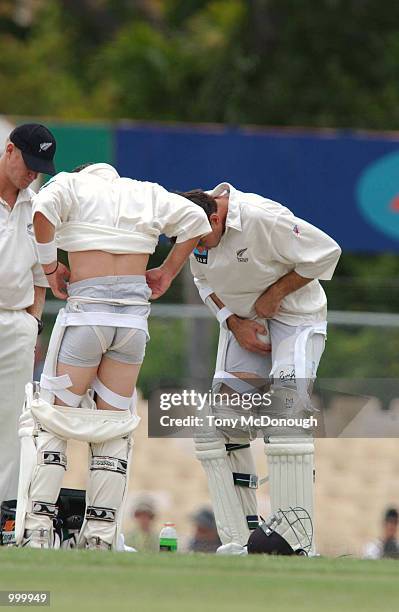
298,101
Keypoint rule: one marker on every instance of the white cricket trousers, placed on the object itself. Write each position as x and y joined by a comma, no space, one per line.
18,334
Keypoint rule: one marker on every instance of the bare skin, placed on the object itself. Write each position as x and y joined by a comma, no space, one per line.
118,377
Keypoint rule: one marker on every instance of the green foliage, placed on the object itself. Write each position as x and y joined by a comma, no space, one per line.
327,63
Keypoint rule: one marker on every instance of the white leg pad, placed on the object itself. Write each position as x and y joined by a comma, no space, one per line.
291,473
242,465
43,463
229,515
106,492
44,430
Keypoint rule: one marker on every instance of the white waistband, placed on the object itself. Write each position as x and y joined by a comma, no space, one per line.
108,319
111,301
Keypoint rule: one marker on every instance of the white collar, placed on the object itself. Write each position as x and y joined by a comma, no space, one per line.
102,170
233,218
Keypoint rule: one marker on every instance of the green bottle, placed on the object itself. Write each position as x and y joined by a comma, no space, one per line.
168,538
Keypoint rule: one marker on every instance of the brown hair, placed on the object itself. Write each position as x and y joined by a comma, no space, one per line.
202,199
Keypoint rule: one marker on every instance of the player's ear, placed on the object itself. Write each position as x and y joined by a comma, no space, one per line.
214,219
9,147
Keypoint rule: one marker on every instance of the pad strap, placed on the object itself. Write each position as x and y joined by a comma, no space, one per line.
110,464
49,457
113,399
253,521
95,513
234,447
44,509
58,385
245,480
235,383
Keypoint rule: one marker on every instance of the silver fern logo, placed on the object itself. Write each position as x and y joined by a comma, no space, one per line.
45,145
240,255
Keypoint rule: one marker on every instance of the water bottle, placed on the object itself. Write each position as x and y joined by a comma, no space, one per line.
168,538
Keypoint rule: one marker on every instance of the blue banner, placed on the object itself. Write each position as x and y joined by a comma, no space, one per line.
343,182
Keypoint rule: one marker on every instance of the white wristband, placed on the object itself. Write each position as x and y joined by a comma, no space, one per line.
223,314
47,252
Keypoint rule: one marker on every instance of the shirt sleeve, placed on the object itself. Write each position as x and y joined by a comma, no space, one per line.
311,252
204,289
54,199
178,217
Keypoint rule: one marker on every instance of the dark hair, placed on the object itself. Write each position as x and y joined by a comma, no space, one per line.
203,199
82,167
391,514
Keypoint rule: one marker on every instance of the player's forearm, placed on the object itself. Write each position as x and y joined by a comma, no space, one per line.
36,309
178,256
288,284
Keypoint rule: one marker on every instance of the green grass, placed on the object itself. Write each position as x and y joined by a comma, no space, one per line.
92,581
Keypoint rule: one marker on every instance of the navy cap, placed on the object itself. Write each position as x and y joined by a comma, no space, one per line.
37,145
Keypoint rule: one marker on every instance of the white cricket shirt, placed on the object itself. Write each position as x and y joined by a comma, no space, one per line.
19,267
262,242
96,209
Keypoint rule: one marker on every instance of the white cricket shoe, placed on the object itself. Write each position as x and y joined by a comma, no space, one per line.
232,549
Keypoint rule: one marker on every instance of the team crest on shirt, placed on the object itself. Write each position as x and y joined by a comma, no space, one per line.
296,231
241,255
201,257
29,229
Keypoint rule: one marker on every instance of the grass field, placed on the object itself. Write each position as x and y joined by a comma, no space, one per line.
92,581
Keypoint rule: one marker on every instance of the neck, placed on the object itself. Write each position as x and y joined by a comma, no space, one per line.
223,208
8,191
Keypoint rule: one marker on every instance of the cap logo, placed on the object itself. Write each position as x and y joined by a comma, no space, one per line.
45,145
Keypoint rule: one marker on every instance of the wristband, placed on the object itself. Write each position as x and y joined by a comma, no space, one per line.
47,252
223,314
55,270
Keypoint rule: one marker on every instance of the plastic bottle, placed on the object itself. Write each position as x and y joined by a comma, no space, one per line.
168,538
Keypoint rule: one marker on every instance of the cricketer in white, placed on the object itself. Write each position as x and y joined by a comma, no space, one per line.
22,286
109,226
259,271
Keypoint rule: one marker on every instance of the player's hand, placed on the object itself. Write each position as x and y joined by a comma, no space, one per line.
58,281
158,280
269,303
246,333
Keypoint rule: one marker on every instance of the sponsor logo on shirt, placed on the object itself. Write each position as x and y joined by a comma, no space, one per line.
296,231
240,255
29,229
201,257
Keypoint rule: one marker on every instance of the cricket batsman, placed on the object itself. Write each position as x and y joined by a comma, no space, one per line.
258,271
109,226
